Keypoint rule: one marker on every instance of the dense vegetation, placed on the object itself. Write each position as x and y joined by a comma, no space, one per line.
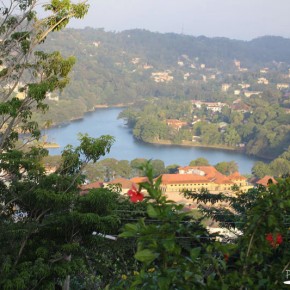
109,168
116,68
52,237
263,130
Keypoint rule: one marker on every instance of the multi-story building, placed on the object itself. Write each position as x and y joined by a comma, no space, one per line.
195,178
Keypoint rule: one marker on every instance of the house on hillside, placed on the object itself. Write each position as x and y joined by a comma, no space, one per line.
252,93
212,106
175,124
162,77
263,81
282,86
225,87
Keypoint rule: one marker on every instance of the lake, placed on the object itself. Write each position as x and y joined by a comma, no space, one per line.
126,147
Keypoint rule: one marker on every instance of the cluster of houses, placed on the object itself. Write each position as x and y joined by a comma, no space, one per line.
191,178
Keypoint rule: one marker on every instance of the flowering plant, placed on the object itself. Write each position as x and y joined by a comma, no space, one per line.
185,256
274,240
135,195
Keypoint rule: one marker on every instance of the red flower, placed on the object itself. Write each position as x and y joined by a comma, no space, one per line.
275,240
279,239
226,257
269,238
135,195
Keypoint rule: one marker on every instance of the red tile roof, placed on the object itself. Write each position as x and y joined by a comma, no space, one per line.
183,178
97,184
139,179
236,176
213,175
125,183
265,180
86,187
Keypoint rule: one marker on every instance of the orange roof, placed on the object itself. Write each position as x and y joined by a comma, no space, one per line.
125,183
222,180
96,184
236,176
210,173
265,180
183,178
139,179
86,187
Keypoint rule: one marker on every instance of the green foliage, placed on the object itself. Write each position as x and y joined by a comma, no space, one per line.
278,167
28,75
176,252
199,162
227,168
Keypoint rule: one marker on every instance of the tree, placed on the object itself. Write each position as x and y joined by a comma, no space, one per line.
158,167
27,75
199,162
46,217
231,137
226,168
45,222
260,169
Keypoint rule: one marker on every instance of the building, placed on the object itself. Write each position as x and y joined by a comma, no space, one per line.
244,85
225,87
123,183
266,180
87,187
282,86
264,70
175,124
240,106
139,180
263,81
162,77
195,178
213,106
251,93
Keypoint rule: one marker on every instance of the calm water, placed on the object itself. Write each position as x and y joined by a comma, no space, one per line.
105,122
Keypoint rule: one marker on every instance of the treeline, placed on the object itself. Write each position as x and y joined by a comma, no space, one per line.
110,168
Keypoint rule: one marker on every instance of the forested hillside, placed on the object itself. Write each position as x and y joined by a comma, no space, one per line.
114,68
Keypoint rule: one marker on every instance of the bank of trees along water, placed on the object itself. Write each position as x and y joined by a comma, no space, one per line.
263,130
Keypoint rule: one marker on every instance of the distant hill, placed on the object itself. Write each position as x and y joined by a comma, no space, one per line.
114,68
167,47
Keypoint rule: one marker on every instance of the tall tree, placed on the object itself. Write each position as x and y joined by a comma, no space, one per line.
44,221
26,74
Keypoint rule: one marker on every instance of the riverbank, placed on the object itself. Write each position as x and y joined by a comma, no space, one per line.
196,144
95,108
126,147
199,145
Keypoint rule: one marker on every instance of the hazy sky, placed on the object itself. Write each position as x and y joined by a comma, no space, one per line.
239,19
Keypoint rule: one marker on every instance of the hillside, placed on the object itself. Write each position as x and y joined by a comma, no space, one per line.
136,65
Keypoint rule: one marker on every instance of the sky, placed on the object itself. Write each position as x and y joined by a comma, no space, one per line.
237,19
